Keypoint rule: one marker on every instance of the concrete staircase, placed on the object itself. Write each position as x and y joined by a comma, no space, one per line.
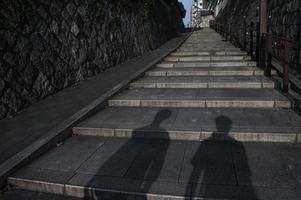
177,133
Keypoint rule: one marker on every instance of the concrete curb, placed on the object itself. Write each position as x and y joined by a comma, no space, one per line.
76,191
63,130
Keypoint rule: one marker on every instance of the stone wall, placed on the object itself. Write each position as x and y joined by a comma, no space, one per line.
239,16
48,45
205,20
284,18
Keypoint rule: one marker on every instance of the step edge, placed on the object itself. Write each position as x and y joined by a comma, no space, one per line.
289,137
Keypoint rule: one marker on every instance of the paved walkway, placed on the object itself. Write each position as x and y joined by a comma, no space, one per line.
95,166
204,123
28,195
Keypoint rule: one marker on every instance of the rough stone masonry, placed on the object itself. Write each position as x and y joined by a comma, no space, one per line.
48,45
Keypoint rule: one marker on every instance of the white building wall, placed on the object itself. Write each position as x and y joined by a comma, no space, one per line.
220,6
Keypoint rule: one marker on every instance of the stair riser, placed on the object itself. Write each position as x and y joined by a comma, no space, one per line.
220,47
86,192
205,73
202,85
188,135
200,104
234,53
191,59
37,186
207,64
206,48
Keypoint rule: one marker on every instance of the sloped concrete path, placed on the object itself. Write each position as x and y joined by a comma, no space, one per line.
204,123
45,121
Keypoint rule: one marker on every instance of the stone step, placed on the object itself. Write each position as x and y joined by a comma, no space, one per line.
212,45
215,40
204,82
169,64
207,71
209,45
207,48
246,124
117,169
207,58
202,98
203,38
15,194
207,53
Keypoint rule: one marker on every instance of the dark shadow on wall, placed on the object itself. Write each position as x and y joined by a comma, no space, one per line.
213,167
142,162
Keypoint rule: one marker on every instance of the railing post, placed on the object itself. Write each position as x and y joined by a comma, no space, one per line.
257,43
222,30
263,30
263,16
216,27
251,39
230,35
268,67
263,46
245,33
286,61
226,32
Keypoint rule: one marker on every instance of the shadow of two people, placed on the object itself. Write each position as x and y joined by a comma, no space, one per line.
152,156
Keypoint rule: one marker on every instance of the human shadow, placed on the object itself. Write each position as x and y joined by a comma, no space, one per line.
135,164
214,173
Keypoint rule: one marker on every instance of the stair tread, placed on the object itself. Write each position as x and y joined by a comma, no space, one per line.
208,53
206,61
166,169
206,64
210,56
239,68
197,119
202,94
203,79
169,153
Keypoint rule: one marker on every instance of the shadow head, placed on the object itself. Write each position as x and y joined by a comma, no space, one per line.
162,116
223,124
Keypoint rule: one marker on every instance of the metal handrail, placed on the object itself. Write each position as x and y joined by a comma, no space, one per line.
285,59
265,47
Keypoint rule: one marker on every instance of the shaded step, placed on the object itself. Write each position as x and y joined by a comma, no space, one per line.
166,64
207,49
208,46
243,124
201,98
173,170
215,41
204,82
206,53
207,58
207,71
